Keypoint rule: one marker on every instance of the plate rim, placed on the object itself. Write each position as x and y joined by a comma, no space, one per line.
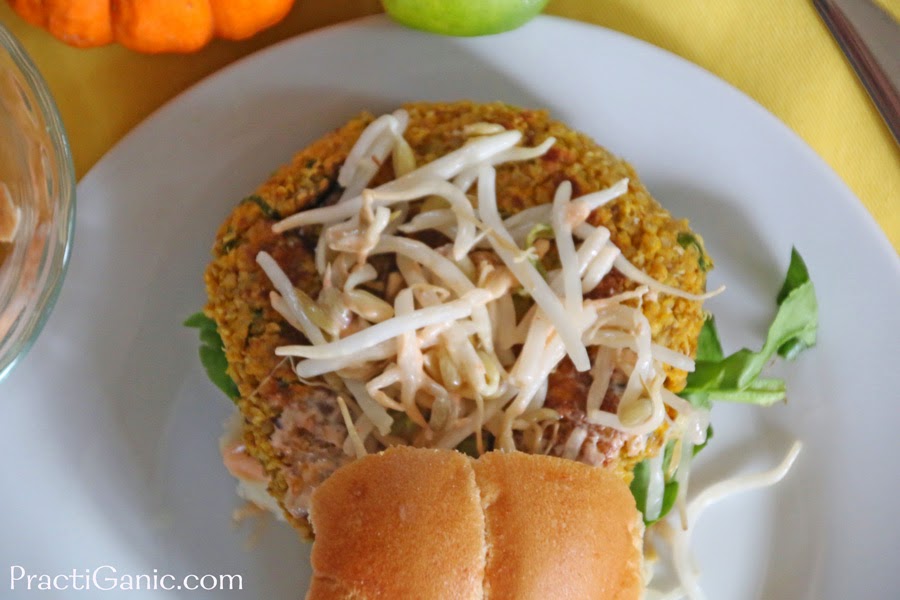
850,198
738,104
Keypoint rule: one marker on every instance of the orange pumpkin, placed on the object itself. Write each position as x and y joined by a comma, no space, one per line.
152,25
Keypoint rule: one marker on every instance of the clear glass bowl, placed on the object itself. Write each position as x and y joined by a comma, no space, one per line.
37,191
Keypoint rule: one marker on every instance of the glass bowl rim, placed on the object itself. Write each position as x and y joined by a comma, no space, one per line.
64,200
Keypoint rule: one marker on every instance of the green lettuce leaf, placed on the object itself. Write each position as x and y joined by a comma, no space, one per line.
710,432
641,483
736,378
709,348
685,240
212,354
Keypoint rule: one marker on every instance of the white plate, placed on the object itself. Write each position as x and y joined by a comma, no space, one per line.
110,425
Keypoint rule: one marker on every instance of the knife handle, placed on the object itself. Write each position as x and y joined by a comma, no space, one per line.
874,78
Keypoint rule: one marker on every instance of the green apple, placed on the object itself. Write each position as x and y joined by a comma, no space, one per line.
463,17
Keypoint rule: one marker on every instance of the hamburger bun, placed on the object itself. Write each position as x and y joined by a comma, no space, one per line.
406,523
430,524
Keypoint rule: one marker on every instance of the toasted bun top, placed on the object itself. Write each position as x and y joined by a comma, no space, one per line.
405,523
558,529
432,524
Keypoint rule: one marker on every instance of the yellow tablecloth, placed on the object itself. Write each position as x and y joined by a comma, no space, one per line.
777,51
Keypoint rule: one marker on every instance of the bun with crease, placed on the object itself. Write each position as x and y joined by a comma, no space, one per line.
435,524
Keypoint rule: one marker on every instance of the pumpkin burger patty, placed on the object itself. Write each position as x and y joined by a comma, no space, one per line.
294,428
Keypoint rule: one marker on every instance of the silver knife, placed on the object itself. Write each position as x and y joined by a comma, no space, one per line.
871,40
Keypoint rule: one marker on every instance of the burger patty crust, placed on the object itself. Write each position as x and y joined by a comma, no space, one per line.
294,429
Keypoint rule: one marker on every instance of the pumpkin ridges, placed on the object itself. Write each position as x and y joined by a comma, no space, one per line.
240,19
31,10
151,25
82,23
162,25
